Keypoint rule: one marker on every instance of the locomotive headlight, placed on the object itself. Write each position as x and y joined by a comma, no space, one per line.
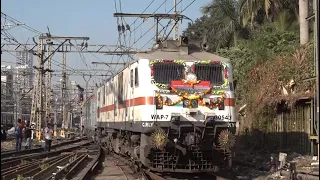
175,117
191,77
194,103
190,103
185,103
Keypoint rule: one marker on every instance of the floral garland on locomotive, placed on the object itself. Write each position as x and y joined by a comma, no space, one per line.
191,80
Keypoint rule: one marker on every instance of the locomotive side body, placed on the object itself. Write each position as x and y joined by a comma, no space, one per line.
170,114
89,113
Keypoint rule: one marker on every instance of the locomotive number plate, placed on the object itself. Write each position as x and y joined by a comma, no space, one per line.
154,116
221,117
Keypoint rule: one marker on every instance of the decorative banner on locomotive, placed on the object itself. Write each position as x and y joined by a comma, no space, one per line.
190,81
191,89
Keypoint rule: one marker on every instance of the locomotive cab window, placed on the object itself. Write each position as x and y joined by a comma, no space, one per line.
164,73
136,77
210,72
104,95
120,88
131,78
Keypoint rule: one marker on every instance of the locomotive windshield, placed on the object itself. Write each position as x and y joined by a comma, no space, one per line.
166,72
209,72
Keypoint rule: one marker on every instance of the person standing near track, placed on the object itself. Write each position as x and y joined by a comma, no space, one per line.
18,134
27,133
48,134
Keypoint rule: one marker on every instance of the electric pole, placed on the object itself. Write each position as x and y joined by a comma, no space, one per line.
63,93
48,84
176,17
176,24
317,64
55,124
39,89
41,98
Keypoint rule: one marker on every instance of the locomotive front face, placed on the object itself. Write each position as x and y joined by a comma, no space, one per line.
194,115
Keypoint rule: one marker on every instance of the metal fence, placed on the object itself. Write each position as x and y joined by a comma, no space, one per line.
290,131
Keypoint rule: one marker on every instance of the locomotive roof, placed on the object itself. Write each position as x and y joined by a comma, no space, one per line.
174,55
192,56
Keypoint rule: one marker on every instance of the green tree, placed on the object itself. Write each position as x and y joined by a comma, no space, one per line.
285,12
220,27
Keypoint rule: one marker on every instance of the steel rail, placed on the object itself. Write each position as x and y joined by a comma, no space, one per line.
31,169
85,172
19,160
36,150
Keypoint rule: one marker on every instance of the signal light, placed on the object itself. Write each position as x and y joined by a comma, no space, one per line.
81,97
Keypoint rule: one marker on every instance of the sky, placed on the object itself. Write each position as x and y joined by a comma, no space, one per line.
88,18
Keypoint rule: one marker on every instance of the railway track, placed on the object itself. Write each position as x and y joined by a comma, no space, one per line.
13,153
75,161
115,167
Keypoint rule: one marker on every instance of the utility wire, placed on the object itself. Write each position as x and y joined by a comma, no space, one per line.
168,24
53,62
152,28
35,31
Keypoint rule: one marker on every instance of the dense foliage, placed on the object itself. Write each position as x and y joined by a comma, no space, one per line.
261,37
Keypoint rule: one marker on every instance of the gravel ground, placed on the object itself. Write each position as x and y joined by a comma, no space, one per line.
258,166
10,144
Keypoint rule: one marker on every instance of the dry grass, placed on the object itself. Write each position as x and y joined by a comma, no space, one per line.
267,79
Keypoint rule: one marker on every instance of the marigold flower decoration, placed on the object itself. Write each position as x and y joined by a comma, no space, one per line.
159,139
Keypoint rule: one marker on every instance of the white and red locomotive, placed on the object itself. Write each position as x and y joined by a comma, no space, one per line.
171,112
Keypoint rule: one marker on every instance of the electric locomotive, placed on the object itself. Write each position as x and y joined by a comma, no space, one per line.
172,110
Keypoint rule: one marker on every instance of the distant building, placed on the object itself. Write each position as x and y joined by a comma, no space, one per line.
24,57
7,92
6,81
24,75
74,92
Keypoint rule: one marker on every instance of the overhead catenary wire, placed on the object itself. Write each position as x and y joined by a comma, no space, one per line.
58,64
168,23
135,42
32,30
121,32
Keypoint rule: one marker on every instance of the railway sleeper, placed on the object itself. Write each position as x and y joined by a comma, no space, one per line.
136,167
47,172
30,170
17,168
77,167
90,164
37,150
9,162
64,171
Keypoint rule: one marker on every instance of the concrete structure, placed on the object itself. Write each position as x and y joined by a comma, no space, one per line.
24,58
7,89
24,78
74,92
6,81
24,75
